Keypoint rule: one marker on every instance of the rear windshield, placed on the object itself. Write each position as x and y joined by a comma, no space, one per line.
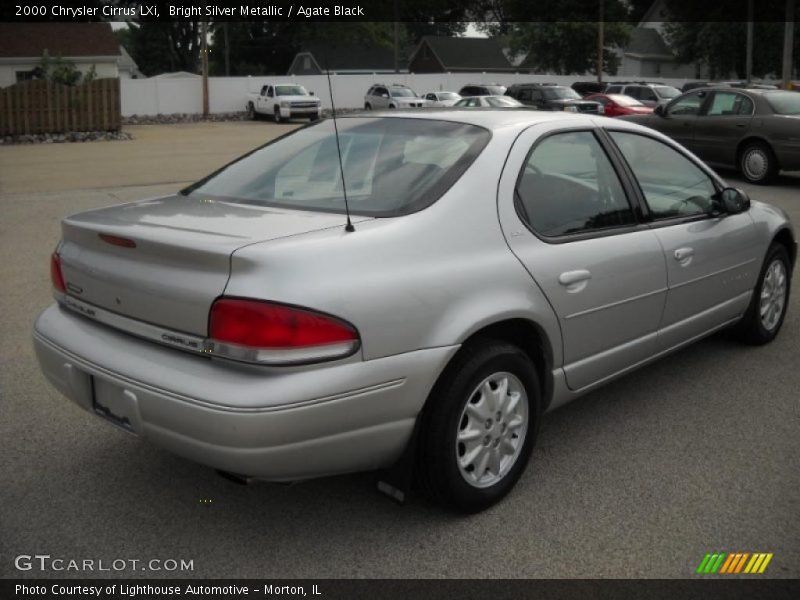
624,100
784,103
667,91
392,166
502,101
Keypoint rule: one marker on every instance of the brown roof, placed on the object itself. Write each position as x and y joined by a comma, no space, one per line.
59,39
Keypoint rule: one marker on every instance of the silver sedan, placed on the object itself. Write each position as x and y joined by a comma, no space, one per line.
419,305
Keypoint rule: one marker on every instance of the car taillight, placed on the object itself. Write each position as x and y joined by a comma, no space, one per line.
55,273
270,333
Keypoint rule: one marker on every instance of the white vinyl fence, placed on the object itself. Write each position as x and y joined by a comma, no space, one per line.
228,94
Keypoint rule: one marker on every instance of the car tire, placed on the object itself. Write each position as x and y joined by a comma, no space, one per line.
252,115
462,406
392,106
313,118
276,115
368,106
764,317
757,163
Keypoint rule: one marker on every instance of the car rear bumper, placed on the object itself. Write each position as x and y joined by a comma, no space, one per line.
275,424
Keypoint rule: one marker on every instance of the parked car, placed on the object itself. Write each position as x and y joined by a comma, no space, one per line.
283,101
488,102
546,96
649,94
693,85
587,88
442,99
481,89
392,96
751,130
499,264
615,105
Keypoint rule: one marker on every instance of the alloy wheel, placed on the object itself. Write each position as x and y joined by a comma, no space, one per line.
773,295
492,429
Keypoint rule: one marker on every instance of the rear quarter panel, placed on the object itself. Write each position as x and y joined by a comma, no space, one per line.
424,280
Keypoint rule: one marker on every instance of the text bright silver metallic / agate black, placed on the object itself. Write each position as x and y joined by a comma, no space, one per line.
503,263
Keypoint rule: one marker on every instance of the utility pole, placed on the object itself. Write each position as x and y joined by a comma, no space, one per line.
600,32
788,44
204,62
396,40
749,65
228,52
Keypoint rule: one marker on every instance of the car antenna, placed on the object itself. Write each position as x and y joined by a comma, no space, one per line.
349,227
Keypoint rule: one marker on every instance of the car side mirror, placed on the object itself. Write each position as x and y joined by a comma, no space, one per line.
310,93
734,201
660,110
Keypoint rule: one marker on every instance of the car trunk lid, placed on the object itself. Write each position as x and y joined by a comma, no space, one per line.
164,261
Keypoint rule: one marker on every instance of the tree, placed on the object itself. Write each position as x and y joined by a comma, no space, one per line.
719,48
569,48
163,46
59,70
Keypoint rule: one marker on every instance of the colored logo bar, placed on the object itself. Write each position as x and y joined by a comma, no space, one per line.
732,563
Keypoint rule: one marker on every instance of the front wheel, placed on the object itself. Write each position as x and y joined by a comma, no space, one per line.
757,163
767,310
277,114
479,426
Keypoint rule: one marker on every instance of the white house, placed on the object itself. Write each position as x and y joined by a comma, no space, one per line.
86,45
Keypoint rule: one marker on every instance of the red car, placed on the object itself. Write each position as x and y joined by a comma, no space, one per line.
618,104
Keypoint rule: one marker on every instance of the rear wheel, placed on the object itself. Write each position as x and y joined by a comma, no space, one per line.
479,426
367,106
764,317
251,112
757,163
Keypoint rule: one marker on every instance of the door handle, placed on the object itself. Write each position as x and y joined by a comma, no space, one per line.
575,281
684,255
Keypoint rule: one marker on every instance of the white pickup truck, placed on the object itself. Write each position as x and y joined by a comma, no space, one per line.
284,101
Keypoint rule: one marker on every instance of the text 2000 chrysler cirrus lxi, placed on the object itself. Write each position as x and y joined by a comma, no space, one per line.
500,264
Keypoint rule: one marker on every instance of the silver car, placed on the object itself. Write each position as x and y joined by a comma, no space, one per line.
441,99
495,266
392,96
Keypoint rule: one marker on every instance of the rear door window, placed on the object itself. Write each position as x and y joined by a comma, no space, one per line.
646,93
568,186
730,104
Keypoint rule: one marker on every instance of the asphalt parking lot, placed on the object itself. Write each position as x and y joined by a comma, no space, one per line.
697,453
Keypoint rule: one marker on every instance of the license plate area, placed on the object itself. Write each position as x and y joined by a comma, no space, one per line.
115,404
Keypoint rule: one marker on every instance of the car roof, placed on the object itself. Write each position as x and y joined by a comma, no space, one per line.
492,118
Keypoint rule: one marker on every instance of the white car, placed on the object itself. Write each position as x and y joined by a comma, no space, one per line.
440,99
488,102
284,101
